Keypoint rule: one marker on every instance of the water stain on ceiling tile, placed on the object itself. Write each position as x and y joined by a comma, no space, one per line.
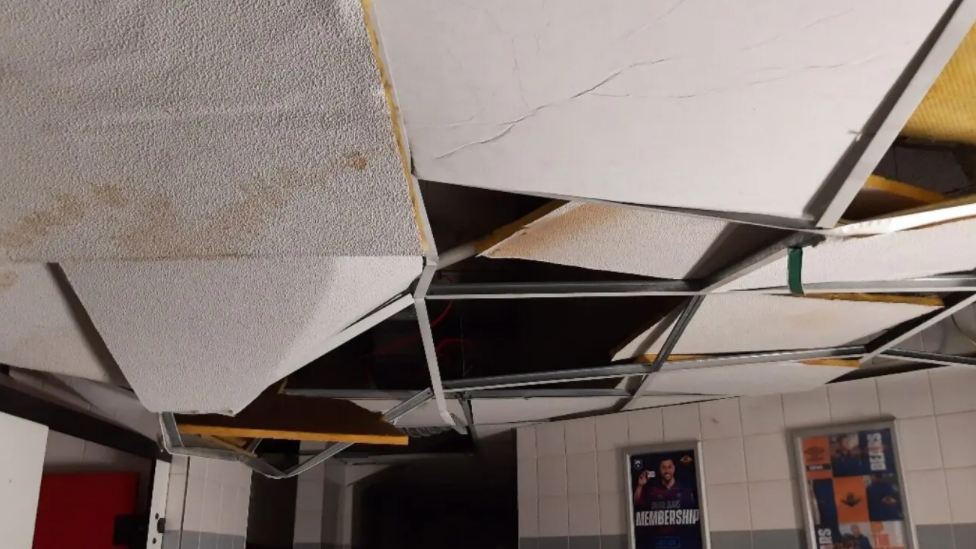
133,131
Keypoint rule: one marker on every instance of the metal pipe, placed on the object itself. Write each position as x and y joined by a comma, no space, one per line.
953,304
427,337
662,356
930,358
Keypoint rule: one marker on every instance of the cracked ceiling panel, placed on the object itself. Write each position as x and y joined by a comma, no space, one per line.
190,130
426,415
210,336
740,106
632,240
44,330
743,323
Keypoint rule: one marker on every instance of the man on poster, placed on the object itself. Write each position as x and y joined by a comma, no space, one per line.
666,513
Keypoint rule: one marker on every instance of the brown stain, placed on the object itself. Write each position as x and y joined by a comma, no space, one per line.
110,194
7,280
68,210
356,161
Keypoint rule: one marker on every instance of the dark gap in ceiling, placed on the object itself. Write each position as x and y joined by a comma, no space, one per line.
946,168
866,373
478,338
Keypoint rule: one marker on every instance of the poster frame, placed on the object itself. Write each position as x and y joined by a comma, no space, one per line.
690,445
799,470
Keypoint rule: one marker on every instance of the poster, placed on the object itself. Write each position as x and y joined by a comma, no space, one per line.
665,500
853,489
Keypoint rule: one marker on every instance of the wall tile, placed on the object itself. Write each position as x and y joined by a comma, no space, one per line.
561,542
731,540
529,543
553,516
778,539
308,527
957,438
928,496
613,519
767,457
525,442
609,471
761,414
720,418
953,388
584,542
727,507
724,460
773,505
528,517
584,515
611,432
228,509
190,540
645,426
905,395
918,443
580,436
550,439
806,409
193,515
175,496
180,465
527,478
210,517
854,400
581,470
681,423
936,537
962,494
551,472
198,467
613,541
964,535
309,494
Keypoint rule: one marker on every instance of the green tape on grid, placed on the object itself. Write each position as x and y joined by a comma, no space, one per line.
794,270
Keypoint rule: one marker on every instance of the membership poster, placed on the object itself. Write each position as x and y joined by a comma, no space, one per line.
666,503
854,491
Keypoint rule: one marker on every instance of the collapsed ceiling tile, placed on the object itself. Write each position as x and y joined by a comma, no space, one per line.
747,379
895,256
629,240
743,323
160,130
210,336
42,330
426,415
743,107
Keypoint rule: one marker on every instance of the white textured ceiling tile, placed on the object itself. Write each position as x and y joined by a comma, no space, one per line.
570,98
38,329
748,379
209,336
426,415
896,256
512,410
627,240
668,400
171,130
740,323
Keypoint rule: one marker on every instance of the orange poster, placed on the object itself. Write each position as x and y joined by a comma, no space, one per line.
816,458
851,498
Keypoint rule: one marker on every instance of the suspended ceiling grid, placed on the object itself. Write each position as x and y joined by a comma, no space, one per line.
314,214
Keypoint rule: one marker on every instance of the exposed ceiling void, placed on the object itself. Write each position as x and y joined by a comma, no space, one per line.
171,131
584,98
210,336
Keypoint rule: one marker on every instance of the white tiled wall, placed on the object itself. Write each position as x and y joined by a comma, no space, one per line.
323,502
570,481
208,495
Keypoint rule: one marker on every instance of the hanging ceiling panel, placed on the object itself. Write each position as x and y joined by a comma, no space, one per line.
424,416
512,410
631,240
41,331
161,130
742,323
209,336
741,106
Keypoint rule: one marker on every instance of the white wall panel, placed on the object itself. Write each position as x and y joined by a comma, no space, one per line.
21,464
